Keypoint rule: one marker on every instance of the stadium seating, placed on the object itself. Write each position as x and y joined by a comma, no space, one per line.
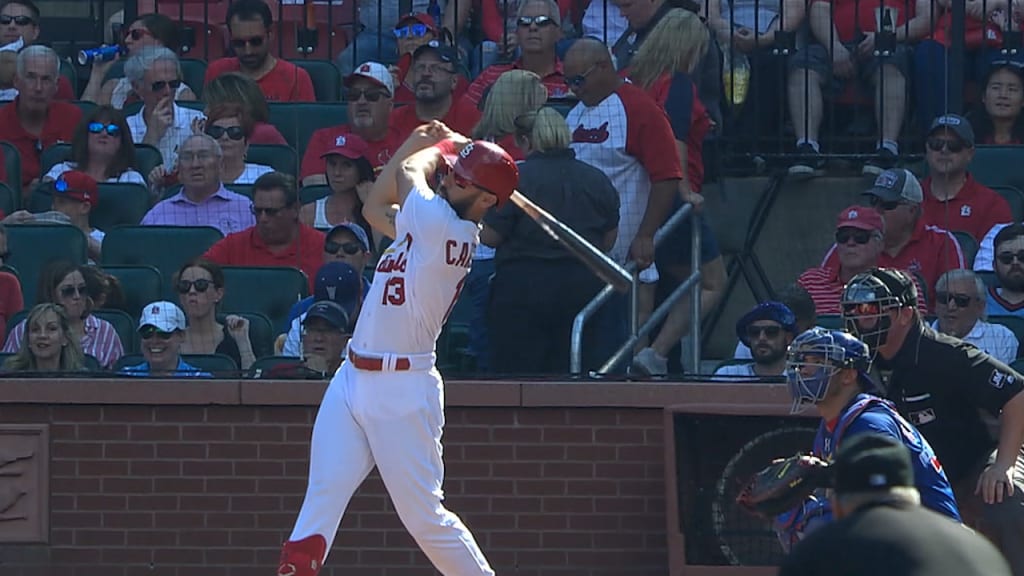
310,194
968,244
120,204
278,157
141,285
12,165
261,332
9,199
279,289
264,364
216,364
990,165
325,76
126,327
1014,197
166,248
193,72
298,120
32,247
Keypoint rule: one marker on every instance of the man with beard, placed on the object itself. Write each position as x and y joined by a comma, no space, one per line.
370,92
953,393
1007,297
249,24
434,78
767,330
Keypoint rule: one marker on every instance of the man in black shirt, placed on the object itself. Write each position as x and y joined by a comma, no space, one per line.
950,391
881,528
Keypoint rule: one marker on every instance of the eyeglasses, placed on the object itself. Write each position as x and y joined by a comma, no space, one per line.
371,95
350,248
540,21
72,291
754,332
195,157
412,31
884,205
432,69
859,236
578,80
136,34
1007,258
19,20
148,332
160,85
255,42
201,285
937,144
270,212
233,132
961,300
98,127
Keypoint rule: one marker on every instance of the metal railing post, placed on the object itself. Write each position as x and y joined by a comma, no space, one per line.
695,252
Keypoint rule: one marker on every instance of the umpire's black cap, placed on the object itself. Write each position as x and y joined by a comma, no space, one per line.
872,462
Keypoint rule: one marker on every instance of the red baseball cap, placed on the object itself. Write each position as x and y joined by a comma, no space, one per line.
421,17
861,217
77,185
350,146
489,166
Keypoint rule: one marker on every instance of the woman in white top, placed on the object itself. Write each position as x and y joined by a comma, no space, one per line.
231,127
147,30
348,170
102,148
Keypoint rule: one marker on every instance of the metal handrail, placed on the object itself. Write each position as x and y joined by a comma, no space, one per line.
636,332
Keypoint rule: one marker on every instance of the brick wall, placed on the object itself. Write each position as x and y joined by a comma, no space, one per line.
193,490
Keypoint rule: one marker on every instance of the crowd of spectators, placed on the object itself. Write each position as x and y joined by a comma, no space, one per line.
607,105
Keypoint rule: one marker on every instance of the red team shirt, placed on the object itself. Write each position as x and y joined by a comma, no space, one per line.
975,209
285,82
826,289
554,82
462,116
324,139
853,16
403,95
690,121
246,248
60,127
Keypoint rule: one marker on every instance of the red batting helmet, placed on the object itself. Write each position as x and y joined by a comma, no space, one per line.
488,166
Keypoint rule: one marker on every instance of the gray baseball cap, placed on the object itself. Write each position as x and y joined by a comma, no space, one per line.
897,185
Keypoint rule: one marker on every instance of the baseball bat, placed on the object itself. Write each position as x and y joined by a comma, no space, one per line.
599,262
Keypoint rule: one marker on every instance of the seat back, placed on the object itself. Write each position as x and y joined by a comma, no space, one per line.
994,166
1014,197
125,326
968,244
12,165
166,248
310,194
9,200
279,157
830,321
264,364
85,106
193,72
261,332
325,76
32,247
298,120
120,204
279,289
146,158
141,285
53,155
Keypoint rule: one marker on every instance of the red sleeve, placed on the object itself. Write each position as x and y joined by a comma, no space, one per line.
220,252
11,300
304,87
312,163
1000,210
265,133
216,68
3,167
649,135
475,91
64,89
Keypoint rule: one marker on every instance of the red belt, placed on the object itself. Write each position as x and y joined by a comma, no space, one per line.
376,364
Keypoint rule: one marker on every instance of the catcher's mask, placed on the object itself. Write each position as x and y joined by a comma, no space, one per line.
867,300
814,357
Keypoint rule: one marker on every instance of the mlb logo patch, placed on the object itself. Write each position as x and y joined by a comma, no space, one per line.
999,379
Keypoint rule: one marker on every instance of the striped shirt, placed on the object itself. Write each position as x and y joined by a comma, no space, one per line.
826,289
996,340
100,340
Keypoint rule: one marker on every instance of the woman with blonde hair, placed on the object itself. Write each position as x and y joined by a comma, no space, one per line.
47,345
538,286
515,93
663,67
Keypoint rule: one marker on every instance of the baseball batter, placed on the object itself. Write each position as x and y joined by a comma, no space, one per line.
385,405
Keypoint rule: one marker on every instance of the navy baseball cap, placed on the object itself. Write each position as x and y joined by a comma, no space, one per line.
872,462
356,231
771,310
334,314
339,283
957,125
444,52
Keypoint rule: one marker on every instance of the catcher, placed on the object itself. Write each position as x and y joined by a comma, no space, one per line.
829,369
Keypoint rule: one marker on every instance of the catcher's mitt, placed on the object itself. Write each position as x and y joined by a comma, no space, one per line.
784,485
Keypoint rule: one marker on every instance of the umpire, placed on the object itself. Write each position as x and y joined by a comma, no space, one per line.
880,526
948,389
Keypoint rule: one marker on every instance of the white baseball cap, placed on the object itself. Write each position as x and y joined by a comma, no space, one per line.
164,316
376,72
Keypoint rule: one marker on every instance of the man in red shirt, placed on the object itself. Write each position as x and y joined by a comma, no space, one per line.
278,238
538,29
20,19
434,77
35,121
909,243
953,199
411,32
249,24
369,96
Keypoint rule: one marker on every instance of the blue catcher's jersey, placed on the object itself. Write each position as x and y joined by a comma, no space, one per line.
871,414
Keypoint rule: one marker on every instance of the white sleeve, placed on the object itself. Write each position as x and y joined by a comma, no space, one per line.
742,351
426,216
293,341
57,170
131,177
986,250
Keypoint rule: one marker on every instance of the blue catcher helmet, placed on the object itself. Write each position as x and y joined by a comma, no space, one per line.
815,356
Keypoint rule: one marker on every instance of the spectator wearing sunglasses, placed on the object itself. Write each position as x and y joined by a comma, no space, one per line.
102,148
155,74
200,288
35,120
232,127
375,39
237,89
434,78
75,195
767,330
999,120
278,238
249,25
203,199
909,243
860,231
64,283
162,330
960,307
1006,298
536,30
19,19
369,93
336,282
953,199
411,32
149,30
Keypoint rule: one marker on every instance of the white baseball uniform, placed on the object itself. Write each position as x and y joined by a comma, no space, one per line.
385,405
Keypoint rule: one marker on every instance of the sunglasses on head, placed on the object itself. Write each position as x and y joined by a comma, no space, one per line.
754,332
412,31
233,132
136,34
372,95
98,127
201,285
350,248
1007,258
255,42
961,300
148,332
937,144
884,205
843,235
71,291
19,20
540,21
160,85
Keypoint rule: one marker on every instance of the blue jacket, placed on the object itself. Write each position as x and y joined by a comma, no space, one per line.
183,370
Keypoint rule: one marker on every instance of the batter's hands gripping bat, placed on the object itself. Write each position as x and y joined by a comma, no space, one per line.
784,485
599,262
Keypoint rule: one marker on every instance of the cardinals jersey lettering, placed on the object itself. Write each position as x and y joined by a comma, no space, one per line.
418,278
